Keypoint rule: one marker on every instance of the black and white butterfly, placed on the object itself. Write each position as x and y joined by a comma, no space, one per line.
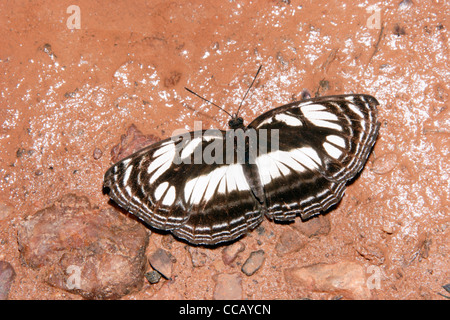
323,143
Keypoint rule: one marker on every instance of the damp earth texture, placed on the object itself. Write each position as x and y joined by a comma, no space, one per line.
84,86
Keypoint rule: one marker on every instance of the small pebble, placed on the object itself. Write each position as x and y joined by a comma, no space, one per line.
153,277
344,278
371,252
131,142
290,241
230,253
317,226
173,79
446,287
97,154
424,245
161,262
405,4
167,241
399,31
305,94
253,263
198,258
385,163
388,229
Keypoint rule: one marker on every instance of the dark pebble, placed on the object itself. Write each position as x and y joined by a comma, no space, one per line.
447,287
253,263
153,276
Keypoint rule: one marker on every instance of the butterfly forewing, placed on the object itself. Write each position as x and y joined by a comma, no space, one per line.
323,143
133,184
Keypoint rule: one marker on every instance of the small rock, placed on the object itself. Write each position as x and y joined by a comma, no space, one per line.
167,241
260,230
97,154
98,254
305,94
47,48
7,276
316,226
384,163
388,229
281,59
446,287
371,252
405,4
131,142
173,79
228,287
5,211
324,86
253,263
161,262
153,276
343,278
198,257
406,173
22,152
230,253
399,31
290,241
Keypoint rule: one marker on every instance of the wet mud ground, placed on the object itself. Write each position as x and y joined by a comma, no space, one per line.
67,97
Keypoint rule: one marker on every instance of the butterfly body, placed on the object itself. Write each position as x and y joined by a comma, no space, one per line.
303,155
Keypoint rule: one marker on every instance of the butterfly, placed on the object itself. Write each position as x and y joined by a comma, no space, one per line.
321,144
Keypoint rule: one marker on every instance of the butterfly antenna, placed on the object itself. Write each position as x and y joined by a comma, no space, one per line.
208,101
248,90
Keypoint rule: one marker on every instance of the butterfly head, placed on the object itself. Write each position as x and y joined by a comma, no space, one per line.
236,122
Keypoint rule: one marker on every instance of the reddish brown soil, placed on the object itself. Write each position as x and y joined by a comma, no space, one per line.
67,93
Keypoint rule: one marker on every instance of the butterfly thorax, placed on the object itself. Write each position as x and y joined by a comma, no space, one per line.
236,122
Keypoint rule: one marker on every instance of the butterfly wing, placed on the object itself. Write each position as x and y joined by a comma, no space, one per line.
323,143
168,188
